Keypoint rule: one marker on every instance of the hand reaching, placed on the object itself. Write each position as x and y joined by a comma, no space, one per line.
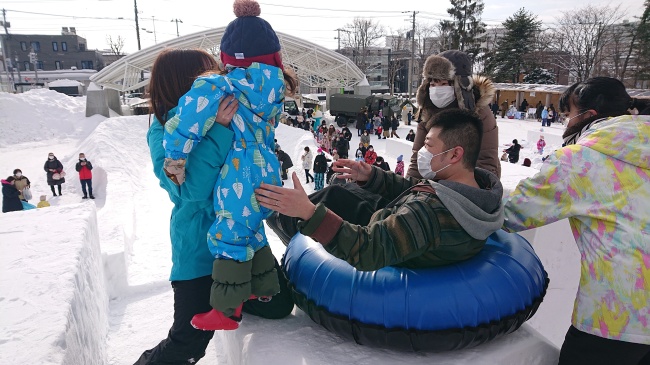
175,170
350,169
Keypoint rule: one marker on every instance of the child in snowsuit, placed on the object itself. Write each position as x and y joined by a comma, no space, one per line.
43,203
541,144
399,168
244,265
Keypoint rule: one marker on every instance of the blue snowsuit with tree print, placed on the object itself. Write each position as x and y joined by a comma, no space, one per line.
238,231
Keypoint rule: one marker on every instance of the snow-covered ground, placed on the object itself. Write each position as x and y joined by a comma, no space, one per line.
85,282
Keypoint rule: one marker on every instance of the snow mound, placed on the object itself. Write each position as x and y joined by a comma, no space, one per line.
43,114
53,298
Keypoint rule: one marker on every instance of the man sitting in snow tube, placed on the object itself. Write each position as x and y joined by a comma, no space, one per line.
385,219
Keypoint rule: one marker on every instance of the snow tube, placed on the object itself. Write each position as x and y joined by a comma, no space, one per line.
438,309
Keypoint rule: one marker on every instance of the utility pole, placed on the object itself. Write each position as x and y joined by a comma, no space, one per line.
412,63
137,26
5,50
153,20
339,30
177,21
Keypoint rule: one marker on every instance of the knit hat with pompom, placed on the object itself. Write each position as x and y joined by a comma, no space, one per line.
249,38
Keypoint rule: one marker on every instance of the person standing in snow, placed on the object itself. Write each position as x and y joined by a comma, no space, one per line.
54,171
320,168
172,76
285,163
399,167
10,196
84,168
21,182
540,145
244,263
371,155
599,180
306,164
448,83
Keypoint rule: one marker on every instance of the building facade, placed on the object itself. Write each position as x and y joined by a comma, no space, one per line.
53,52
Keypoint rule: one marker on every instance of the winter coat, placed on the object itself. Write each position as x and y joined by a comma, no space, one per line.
56,165
394,124
399,168
361,121
382,165
85,172
10,198
513,152
385,124
20,184
488,157
371,157
545,113
410,137
285,160
237,232
43,204
306,160
365,139
346,134
342,146
602,185
541,144
320,163
192,214
427,223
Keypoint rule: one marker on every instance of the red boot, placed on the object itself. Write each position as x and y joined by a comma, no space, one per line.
214,321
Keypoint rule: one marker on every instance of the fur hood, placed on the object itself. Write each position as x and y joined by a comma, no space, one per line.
479,88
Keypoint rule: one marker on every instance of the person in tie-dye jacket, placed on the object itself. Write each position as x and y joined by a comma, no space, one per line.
600,181
244,265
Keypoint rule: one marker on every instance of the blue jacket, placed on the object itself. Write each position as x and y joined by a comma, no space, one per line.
238,231
192,214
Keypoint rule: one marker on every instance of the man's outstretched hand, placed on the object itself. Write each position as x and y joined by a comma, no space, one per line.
290,202
350,169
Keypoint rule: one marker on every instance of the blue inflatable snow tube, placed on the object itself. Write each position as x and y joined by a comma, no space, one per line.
437,309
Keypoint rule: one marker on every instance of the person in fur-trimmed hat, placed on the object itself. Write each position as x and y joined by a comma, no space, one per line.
448,83
244,266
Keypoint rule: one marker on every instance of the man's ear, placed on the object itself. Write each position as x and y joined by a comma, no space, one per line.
457,154
592,112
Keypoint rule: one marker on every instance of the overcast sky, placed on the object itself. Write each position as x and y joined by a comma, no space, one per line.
312,20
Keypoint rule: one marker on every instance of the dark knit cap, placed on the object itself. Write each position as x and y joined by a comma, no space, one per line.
249,38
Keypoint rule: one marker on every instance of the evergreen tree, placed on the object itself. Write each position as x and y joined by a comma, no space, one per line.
539,76
507,61
466,28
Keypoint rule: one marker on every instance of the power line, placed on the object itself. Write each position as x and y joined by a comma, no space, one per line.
69,16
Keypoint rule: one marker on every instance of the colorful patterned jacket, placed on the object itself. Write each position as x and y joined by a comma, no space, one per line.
602,184
238,230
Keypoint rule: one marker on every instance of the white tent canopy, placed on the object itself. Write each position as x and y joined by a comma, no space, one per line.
316,66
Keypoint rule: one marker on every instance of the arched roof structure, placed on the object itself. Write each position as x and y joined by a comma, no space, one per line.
315,66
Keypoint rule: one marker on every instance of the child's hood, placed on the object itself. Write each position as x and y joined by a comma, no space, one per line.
261,86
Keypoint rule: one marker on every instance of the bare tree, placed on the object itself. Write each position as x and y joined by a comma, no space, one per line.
361,35
583,33
116,45
619,50
399,56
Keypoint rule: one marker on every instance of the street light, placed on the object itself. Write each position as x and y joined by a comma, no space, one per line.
177,21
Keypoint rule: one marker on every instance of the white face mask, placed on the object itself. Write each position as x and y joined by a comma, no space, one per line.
18,174
441,96
424,163
50,157
82,158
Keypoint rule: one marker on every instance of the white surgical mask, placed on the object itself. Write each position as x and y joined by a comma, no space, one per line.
441,96
82,159
50,157
424,163
18,174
